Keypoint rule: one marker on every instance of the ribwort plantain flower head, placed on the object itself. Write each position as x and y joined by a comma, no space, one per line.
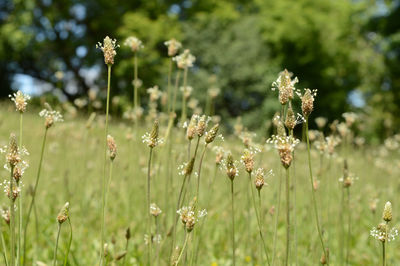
63,214
155,210
108,48
20,100
152,139
51,117
307,101
387,212
285,86
173,46
134,43
211,134
184,60
112,147
285,146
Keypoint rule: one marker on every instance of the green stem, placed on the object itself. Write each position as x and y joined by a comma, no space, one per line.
199,173
19,199
183,117
277,217
150,240
383,254
55,250
169,86
69,243
3,245
183,249
12,218
348,227
102,231
287,216
258,216
313,193
34,194
233,225
135,88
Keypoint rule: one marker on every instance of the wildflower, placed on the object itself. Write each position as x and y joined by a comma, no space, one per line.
152,139
173,46
186,91
189,217
350,118
331,143
112,147
186,168
383,233
13,156
219,154
285,146
155,210
154,93
248,160
211,134
307,101
292,120
50,116
321,122
230,167
20,100
63,214
260,177
202,125
191,128
134,43
285,86
184,60
343,129
5,213
108,48
213,92
387,212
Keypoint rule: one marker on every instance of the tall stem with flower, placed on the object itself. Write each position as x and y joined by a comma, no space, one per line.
135,44
108,48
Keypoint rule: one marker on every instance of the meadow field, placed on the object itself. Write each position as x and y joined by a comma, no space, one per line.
349,201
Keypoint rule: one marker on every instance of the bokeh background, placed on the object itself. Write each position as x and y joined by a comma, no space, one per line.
348,50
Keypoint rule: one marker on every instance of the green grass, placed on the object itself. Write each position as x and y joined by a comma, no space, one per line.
72,171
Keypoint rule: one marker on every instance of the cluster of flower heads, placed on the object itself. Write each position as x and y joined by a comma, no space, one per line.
184,60
108,48
51,116
134,43
173,46
189,217
383,232
152,139
285,86
198,126
285,146
20,100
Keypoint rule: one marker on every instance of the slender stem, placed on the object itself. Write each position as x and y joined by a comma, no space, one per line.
294,204
169,86
258,216
313,193
102,231
188,149
12,218
150,240
178,75
348,227
277,217
178,204
135,81
287,216
383,254
233,225
69,243
199,172
19,199
126,250
183,249
3,245
183,117
34,194
55,250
